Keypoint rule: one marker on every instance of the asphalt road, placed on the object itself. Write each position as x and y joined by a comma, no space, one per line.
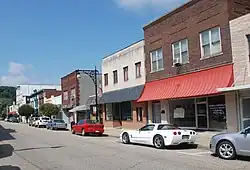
28,148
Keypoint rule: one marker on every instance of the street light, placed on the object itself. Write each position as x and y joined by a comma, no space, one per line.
93,75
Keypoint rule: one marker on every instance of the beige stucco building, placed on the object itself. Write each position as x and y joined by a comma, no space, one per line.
238,95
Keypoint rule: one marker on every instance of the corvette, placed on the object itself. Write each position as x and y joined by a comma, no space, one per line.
159,135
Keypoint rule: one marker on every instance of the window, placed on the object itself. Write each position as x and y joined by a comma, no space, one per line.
126,111
147,128
210,42
248,40
180,52
72,95
167,127
81,122
106,81
139,114
138,70
108,110
125,73
65,95
115,77
156,60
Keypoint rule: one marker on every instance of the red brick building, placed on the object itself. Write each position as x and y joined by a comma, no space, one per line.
187,57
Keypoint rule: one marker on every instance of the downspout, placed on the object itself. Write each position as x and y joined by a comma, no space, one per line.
238,111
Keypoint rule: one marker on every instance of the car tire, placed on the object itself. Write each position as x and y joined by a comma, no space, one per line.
158,142
125,138
226,150
72,131
83,133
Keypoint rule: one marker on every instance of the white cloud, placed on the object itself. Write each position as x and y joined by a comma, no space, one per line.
140,4
16,75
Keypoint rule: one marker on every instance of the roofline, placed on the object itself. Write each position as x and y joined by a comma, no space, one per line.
168,14
79,70
37,85
123,48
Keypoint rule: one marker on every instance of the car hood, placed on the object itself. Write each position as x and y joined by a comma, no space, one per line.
225,134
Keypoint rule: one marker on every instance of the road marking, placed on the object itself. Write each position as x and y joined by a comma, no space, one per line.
194,153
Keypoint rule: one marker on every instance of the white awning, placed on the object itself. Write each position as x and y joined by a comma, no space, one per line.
79,108
235,88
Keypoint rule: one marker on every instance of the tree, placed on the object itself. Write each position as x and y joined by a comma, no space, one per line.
26,110
49,109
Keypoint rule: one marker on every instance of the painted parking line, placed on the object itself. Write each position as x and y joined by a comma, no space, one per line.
194,153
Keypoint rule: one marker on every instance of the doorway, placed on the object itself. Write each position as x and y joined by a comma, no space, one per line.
245,113
156,112
201,113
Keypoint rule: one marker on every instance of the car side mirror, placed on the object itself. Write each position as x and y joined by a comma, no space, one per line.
244,132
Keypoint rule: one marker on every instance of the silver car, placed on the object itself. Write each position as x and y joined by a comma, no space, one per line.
230,145
56,124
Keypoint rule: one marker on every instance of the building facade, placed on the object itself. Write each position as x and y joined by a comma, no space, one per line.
122,83
24,91
76,89
240,91
187,57
39,97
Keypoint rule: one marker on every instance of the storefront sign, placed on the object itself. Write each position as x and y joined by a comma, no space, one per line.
179,113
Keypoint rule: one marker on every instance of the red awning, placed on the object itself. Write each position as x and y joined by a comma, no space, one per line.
195,84
12,113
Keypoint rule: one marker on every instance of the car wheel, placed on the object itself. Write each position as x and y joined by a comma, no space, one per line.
158,142
83,132
226,150
72,131
125,138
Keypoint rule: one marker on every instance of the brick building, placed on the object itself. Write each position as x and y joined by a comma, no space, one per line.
188,56
77,86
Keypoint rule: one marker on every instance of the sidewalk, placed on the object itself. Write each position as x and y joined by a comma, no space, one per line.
203,138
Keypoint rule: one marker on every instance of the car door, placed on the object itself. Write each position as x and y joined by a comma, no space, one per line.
243,142
78,127
145,134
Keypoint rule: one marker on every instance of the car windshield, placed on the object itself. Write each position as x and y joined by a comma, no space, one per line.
90,122
59,121
167,127
45,118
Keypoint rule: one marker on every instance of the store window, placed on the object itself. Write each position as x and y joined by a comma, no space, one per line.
126,111
116,111
217,112
108,110
182,112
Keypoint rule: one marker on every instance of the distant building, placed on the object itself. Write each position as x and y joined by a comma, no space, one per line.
24,91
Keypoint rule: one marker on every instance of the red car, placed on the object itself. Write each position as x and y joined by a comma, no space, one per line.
86,127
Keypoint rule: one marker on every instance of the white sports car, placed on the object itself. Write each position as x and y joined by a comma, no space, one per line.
159,135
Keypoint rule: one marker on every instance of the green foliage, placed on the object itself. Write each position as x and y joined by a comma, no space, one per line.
49,109
26,110
7,96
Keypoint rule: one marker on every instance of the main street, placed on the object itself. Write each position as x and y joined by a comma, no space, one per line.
28,148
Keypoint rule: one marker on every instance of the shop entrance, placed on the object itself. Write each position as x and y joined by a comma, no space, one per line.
201,113
245,113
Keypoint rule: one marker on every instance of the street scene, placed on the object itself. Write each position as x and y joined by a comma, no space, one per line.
29,148
125,84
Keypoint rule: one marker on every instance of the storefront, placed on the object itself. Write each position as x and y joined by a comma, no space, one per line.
200,113
190,100
120,108
242,104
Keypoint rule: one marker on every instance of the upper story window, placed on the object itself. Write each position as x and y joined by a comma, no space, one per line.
180,52
106,80
65,95
138,70
156,60
125,73
210,42
115,76
248,40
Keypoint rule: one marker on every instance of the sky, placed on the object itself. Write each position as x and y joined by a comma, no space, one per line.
43,40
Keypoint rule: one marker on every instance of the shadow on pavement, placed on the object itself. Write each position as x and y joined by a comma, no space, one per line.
5,134
9,167
34,148
6,150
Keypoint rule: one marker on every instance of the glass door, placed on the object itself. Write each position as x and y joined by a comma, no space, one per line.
202,116
245,112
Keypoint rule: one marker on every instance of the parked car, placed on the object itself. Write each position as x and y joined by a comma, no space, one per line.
86,127
159,135
42,122
56,124
32,121
229,145
13,120
7,119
